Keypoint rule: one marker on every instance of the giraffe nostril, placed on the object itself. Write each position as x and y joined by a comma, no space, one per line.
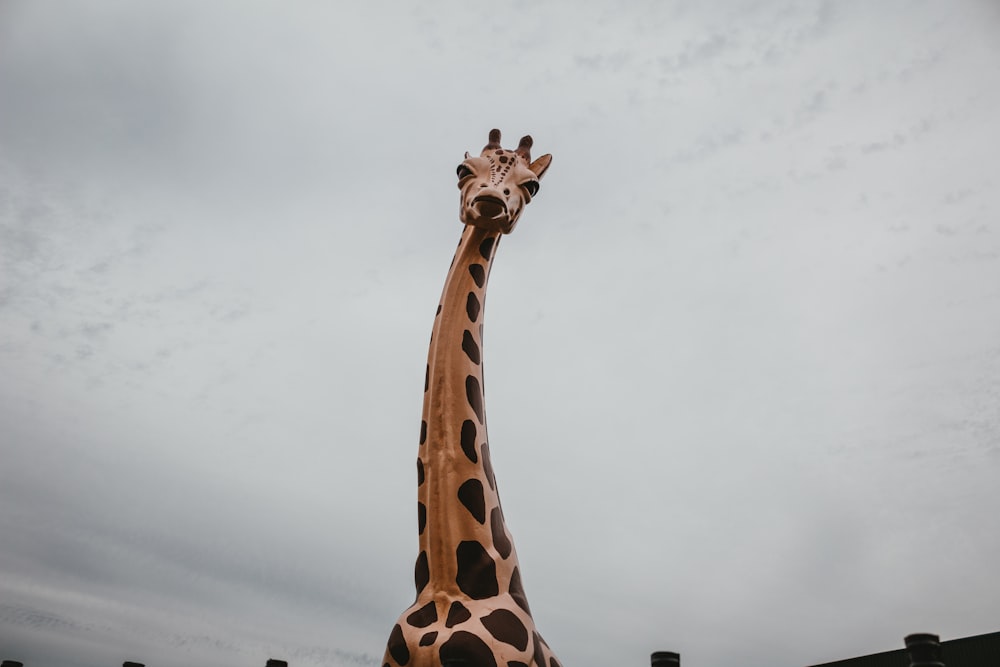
506,191
483,185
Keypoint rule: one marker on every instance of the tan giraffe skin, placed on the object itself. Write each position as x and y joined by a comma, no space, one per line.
470,608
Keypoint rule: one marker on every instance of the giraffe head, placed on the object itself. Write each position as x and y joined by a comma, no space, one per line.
497,185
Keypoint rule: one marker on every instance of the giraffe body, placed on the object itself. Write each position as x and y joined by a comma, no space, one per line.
470,608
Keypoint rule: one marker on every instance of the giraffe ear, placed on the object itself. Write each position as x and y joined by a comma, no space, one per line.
541,165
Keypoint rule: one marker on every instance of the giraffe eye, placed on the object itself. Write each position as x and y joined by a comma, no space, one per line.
531,187
463,172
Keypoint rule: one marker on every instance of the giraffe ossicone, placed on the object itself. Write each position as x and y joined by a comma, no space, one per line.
470,608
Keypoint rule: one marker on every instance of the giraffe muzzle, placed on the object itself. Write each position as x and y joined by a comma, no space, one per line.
489,212
490,206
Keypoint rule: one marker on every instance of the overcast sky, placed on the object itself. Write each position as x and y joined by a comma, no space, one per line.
742,351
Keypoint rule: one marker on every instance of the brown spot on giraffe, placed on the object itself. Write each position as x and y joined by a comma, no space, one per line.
476,574
488,466
500,539
539,653
486,247
470,603
421,573
397,646
474,394
467,649
457,614
507,627
472,497
424,616
472,306
470,347
468,440
478,274
516,591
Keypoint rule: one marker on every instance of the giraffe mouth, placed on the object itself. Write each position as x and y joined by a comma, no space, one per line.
490,207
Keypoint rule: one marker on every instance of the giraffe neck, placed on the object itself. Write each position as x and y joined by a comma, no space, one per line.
463,537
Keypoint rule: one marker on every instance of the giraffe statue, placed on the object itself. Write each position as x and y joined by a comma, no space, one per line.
470,608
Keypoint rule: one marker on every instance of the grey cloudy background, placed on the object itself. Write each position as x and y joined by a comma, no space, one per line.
743,351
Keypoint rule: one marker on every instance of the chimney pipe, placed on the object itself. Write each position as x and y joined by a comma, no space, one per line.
924,650
665,659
